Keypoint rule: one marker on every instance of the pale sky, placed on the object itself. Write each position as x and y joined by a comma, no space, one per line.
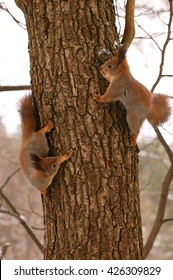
143,57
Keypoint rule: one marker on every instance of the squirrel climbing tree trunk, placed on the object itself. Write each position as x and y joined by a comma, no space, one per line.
94,207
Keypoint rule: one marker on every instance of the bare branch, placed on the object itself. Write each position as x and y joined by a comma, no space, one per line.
14,215
169,176
17,21
160,212
164,47
22,221
164,144
129,31
8,178
149,36
17,214
13,88
36,228
169,76
167,220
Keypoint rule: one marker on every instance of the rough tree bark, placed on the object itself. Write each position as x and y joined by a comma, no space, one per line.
94,209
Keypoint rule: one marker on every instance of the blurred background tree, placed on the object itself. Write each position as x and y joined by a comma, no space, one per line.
154,164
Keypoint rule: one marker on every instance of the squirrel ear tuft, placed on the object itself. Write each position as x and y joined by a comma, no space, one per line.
35,157
36,163
122,52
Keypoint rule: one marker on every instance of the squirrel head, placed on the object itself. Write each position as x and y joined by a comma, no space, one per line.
47,166
114,67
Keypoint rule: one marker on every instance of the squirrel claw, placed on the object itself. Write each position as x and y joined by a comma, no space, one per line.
50,125
65,156
96,97
68,154
132,140
47,128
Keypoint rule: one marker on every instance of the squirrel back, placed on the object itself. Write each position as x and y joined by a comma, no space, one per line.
27,115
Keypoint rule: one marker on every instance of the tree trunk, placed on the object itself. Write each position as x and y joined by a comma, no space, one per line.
94,209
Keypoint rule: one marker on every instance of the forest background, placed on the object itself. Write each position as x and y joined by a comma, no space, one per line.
144,57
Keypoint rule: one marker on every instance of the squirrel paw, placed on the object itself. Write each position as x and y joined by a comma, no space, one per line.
64,157
132,140
68,154
96,97
49,126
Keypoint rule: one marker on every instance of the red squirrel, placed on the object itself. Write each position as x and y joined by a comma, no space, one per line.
139,102
34,161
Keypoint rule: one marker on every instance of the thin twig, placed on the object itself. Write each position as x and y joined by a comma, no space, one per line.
164,144
8,178
17,214
14,215
149,36
22,221
164,47
17,21
167,220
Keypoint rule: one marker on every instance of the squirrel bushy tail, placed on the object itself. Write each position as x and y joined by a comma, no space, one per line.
160,110
27,114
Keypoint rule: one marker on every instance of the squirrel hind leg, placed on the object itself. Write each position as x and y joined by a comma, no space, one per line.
134,124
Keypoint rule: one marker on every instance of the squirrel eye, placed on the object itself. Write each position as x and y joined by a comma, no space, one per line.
110,66
54,166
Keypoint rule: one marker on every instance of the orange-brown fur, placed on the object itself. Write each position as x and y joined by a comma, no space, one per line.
34,161
140,103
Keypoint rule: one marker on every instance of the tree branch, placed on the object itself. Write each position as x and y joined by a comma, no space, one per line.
17,21
13,88
164,144
164,47
8,178
22,221
169,176
149,36
17,214
160,212
167,220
